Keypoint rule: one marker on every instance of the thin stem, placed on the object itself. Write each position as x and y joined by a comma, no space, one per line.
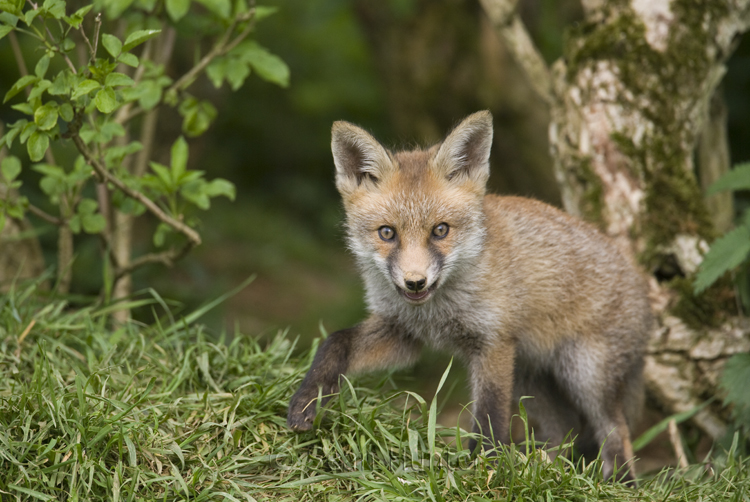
104,173
168,258
97,27
18,55
57,49
45,216
221,47
506,21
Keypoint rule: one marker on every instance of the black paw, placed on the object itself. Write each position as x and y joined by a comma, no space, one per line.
301,413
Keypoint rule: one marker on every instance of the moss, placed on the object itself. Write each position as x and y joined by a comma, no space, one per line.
705,310
673,203
592,202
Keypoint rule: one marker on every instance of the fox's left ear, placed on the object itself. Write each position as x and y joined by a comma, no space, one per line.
466,150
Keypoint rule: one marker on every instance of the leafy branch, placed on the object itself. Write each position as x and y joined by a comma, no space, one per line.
94,105
732,250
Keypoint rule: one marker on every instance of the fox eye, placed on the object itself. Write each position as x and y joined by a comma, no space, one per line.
440,230
386,233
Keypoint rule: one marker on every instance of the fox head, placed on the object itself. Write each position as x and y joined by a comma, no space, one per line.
414,219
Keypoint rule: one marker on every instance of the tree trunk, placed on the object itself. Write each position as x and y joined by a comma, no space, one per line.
629,101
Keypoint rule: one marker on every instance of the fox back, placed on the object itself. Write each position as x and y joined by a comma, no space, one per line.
535,301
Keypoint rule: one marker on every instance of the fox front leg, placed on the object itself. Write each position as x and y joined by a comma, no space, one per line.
376,343
492,391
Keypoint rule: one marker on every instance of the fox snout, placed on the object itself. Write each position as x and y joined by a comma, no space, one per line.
414,287
414,282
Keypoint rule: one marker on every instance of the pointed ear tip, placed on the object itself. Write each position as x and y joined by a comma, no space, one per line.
484,115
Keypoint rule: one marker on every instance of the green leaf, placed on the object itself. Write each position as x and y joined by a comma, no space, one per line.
726,253
93,223
734,381
138,37
20,85
77,18
177,9
106,101
128,59
197,116
268,66
237,74
736,179
41,66
63,84
75,224
195,192
27,131
262,12
68,45
46,116
30,15
116,7
150,94
39,89
54,8
220,186
5,29
101,68
24,108
66,112
179,159
37,145
118,79
222,8
11,168
112,44
164,174
87,206
161,233
217,70
14,131
14,7
85,87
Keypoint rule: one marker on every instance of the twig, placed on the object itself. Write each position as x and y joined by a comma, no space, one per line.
59,51
102,171
97,27
507,23
18,54
168,258
676,440
46,216
221,47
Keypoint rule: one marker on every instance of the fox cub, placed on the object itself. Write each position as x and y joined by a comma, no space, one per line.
534,301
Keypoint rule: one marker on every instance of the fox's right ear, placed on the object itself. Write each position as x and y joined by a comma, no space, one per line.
359,158
465,153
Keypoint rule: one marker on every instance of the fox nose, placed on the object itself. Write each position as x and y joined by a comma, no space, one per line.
415,285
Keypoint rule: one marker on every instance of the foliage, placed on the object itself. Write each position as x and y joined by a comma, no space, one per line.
169,412
101,103
732,250
734,382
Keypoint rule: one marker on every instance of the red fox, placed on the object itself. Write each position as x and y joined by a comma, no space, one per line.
534,301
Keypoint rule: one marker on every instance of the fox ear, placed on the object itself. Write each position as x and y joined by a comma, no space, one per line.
359,158
466,150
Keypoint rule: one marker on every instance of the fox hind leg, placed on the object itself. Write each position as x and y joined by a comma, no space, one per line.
551,415
600,389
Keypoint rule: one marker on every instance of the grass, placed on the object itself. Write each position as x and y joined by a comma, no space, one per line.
171,412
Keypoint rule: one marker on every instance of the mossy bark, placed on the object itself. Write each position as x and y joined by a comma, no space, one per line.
631,98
